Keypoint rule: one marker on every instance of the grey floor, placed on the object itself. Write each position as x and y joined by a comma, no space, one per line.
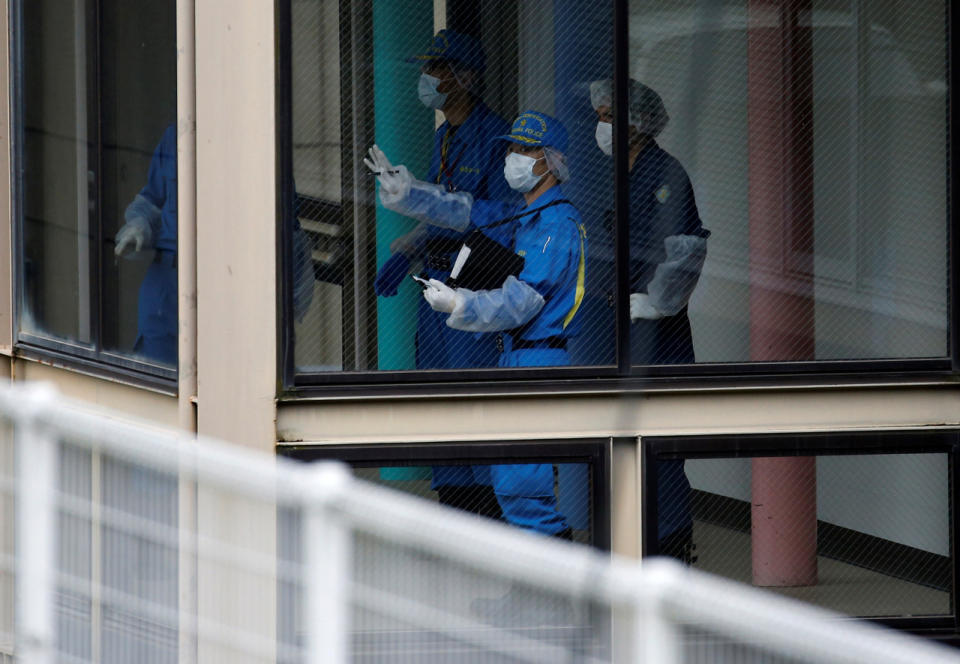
844,588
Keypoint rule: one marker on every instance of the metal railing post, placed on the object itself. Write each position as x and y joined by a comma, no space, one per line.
35,528
327,569
656,634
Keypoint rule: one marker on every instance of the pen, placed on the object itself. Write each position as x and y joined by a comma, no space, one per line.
382,172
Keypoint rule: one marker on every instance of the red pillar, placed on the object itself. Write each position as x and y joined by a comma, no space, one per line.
780,198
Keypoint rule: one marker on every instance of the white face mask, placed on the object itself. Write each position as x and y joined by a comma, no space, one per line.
429,95
605,137
518,170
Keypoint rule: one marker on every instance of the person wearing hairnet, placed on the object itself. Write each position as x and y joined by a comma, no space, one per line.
535,311
464,159
668,246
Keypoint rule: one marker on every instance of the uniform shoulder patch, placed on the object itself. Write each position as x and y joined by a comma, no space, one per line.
663,193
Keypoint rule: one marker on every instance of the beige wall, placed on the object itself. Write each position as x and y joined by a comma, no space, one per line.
450,419
236,229
591,416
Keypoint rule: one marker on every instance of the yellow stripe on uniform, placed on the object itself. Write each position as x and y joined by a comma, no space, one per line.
581,277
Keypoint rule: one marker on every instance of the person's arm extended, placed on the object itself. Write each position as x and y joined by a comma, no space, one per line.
512,305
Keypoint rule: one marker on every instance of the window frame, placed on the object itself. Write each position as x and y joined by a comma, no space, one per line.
621,376
597,453
819,443
90,358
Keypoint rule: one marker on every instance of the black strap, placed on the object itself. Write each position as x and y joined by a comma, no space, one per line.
501,222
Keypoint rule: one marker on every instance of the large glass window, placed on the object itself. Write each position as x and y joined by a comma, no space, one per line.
97,181
858,523
557,489
809,137
781,192
448,92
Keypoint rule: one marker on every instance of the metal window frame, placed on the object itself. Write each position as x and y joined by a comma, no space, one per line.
622,376
596,453
92,358
820,443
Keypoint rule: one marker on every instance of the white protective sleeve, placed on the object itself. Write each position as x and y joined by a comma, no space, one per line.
430,203
675,278
512,305
140,207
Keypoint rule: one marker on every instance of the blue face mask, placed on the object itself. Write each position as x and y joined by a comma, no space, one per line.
429,95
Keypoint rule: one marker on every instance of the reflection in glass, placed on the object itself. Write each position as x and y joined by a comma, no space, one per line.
149,234
99,89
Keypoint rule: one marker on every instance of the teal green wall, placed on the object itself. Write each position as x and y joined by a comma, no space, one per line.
404,130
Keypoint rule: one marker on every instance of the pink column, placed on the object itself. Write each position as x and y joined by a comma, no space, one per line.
780,198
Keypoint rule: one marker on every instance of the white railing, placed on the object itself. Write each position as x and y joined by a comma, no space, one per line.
279,561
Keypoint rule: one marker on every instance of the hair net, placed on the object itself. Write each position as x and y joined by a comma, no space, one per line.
646,110
557,163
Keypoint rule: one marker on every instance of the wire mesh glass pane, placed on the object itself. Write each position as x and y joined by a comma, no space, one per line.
864,535
813,133
552,499
442,89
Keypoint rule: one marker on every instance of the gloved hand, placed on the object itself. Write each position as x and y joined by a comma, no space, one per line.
133,236
394,181
391,275
640,307
441,297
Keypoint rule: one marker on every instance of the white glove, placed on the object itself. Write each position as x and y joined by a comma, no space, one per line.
441,297
394,181
133,236
640,307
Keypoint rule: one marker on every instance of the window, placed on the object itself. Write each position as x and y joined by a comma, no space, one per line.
565,487
96,128
773,189
571,479
860,523
814,135
355,72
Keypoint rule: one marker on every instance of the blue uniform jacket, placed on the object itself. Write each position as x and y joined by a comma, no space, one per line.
553,243
661,204
161,190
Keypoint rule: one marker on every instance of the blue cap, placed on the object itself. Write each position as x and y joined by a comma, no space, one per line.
455,47
535,128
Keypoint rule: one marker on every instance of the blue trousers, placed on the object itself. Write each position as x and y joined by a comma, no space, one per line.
157,315
525,491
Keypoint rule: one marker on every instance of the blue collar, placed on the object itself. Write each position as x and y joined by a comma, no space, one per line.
554,193
470,125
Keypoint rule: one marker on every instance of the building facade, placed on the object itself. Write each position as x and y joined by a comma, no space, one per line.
815,418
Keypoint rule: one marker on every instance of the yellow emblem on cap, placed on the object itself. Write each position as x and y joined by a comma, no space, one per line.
663,193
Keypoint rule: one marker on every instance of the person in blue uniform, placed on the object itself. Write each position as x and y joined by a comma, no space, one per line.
668,246
151,223
464,158
534,311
